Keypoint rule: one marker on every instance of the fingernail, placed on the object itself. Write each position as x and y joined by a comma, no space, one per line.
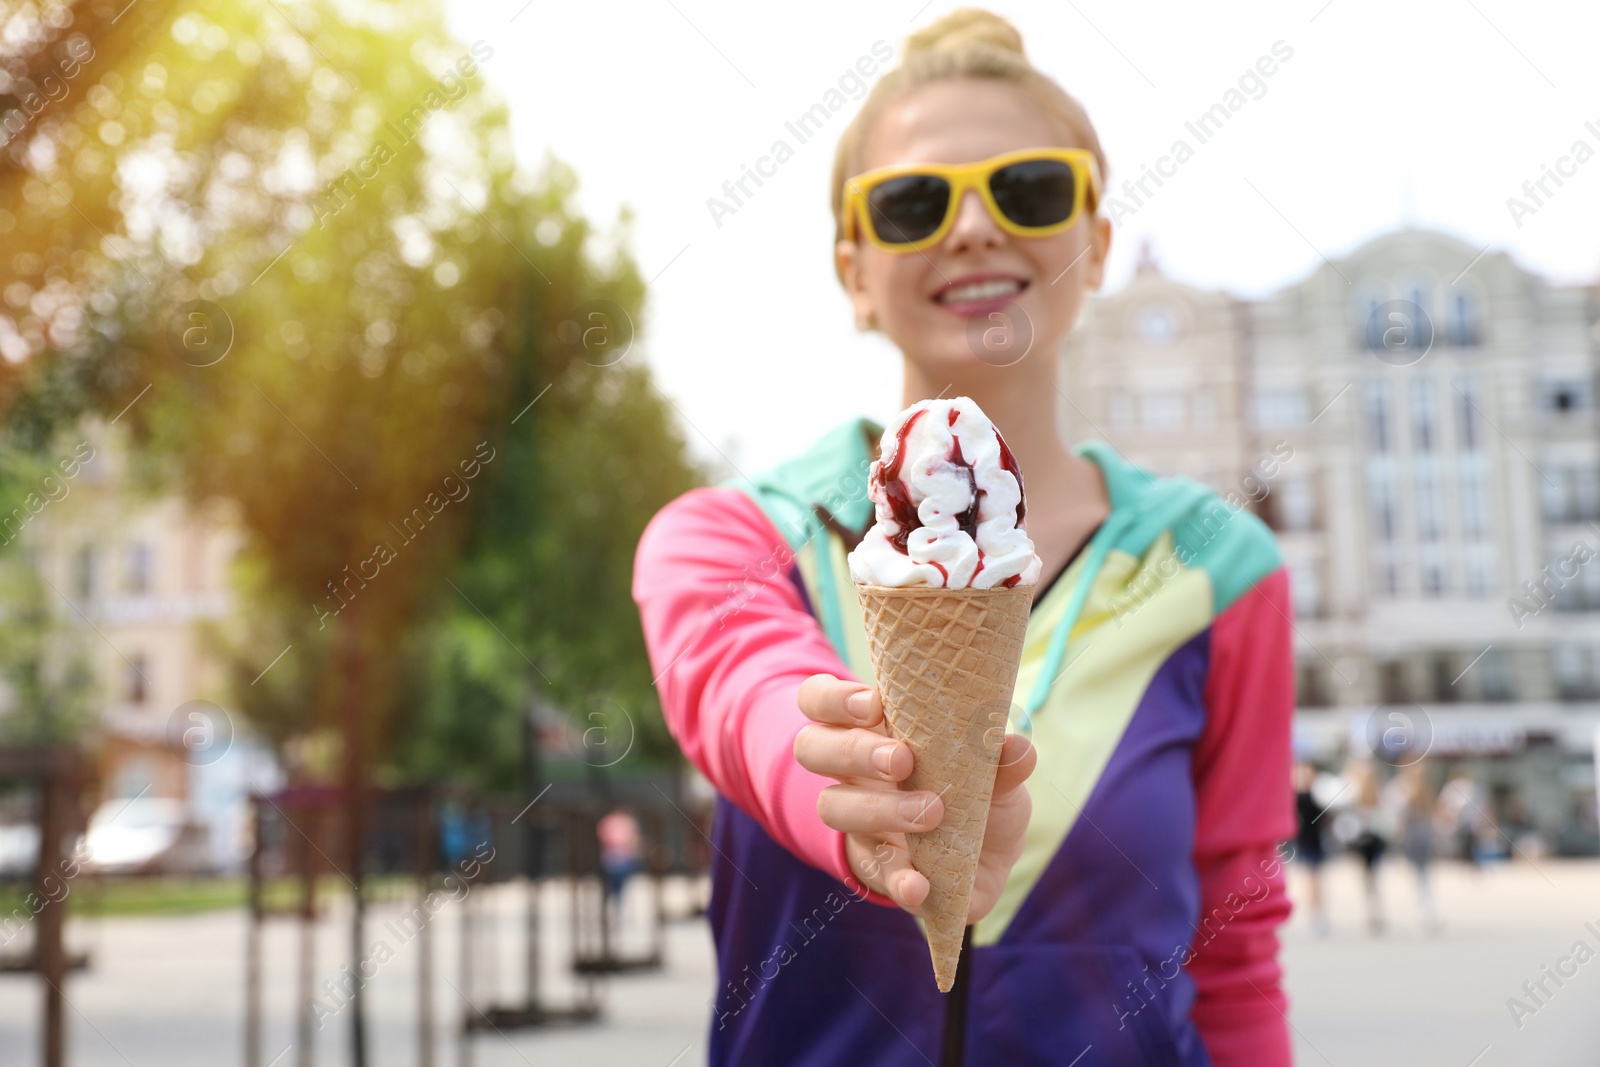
914,808
859,705
883,758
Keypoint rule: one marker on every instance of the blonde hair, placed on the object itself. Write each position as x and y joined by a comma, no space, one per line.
968,43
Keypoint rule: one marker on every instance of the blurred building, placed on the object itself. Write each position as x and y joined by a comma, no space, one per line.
1417,421
138,578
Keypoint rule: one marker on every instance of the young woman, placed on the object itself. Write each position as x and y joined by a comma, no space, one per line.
1129,894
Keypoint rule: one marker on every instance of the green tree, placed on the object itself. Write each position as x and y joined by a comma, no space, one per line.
47,683
593,453
291,244
288,246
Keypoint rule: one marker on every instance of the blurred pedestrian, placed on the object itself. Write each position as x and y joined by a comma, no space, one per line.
1309,847
618,832
1410,803
1460,814
1366,829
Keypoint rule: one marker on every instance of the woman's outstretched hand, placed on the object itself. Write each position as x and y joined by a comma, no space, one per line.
848,740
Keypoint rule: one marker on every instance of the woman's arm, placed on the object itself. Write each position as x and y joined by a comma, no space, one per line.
730,640
742,666
1245,808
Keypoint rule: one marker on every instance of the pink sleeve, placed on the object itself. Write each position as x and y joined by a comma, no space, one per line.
1245,809
730,640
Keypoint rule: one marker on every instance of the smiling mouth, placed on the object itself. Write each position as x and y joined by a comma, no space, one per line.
980,296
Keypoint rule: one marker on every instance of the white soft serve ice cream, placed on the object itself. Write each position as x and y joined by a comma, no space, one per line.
948,496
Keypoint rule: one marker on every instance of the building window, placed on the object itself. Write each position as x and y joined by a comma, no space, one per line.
1417,320
1442,670
1392,687
1306,590
1378,419
1586,492
1463,330
1161,410
1279,407
138,687
1469,434
1570,494
1311,690
84,567
1574,670
1494,676
1433,579
1421,300
1400,326
1480,570
1381,499
1589,585
1424,429
1372,326
1429,505
1554,497
1474,500
1569,584
1565,594
1396,330
139,573
1297,509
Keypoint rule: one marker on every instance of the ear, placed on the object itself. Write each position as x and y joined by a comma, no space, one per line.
847,261
1100,247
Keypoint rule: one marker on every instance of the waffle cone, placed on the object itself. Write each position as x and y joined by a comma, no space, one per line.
946,663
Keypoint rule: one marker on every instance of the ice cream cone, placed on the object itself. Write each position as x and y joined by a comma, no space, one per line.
946,663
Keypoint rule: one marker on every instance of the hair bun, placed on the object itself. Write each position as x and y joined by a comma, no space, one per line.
968,25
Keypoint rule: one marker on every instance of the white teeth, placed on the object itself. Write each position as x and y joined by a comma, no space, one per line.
980,291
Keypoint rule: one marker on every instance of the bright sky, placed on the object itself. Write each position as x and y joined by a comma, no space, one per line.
1428,111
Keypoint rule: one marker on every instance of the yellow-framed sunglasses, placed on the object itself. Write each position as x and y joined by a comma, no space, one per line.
1034,192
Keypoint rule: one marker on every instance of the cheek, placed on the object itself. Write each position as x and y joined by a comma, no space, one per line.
1064,252
897,282
1061,269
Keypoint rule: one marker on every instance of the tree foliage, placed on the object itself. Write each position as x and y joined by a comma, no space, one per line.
291,243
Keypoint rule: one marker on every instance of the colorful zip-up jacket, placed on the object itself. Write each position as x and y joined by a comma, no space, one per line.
1139,926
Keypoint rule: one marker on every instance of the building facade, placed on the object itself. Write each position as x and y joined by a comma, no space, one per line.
1418,423
136,580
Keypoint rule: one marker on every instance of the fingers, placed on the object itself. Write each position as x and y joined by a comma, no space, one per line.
1003,840
852,753
906,886
869,809
826,699
1018,758
1007,826
884,865
1005,833
986,890
1010,807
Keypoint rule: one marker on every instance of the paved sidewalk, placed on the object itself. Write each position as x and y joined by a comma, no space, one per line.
1412,999
168,992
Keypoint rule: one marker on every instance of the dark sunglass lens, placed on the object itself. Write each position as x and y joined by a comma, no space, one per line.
1035,192
908,209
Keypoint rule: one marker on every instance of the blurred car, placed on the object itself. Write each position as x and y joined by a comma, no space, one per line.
19,850
146,835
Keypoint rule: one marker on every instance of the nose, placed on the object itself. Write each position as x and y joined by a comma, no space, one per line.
974,226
